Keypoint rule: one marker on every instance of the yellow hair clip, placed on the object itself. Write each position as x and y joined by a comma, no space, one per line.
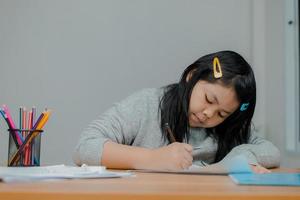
217,68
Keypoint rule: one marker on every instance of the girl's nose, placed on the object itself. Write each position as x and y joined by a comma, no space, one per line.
209,112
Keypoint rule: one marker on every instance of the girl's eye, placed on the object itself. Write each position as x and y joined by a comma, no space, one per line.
208,101
221,115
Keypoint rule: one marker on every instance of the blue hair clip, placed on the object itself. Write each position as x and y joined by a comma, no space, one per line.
244,106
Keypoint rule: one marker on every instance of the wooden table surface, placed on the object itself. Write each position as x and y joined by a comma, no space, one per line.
145,186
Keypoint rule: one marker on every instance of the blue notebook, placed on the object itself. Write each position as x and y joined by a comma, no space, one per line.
276,179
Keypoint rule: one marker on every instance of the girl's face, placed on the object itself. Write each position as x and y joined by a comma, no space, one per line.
211,104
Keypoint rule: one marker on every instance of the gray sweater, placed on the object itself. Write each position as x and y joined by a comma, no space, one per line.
135,121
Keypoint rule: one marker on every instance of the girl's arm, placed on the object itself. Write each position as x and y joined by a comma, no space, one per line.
259,152
119,124
172,157
106,140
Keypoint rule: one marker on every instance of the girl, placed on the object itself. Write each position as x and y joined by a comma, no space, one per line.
208,113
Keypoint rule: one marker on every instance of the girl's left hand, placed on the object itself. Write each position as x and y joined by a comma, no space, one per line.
259,169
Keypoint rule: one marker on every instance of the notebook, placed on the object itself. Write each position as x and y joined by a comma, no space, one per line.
275,179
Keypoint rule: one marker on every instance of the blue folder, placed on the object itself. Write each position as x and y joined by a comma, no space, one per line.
276,179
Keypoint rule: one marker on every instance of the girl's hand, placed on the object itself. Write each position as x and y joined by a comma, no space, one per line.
175,156
259,169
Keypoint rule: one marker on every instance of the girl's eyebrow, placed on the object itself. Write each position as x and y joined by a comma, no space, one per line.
216,99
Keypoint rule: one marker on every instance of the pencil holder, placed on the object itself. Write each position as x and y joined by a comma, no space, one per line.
24,147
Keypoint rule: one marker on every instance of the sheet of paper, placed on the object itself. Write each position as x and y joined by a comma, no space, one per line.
8,174
237,164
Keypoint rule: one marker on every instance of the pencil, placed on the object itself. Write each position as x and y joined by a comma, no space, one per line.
10,129
11,124
38,126
170,133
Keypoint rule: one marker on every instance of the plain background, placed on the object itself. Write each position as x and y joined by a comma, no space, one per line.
78,57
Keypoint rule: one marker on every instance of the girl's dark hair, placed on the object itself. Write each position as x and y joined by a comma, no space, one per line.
237,73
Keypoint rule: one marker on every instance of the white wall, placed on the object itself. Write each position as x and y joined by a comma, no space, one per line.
275,80
78,57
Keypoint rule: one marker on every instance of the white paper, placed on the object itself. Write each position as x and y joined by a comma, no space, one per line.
11,174
237,164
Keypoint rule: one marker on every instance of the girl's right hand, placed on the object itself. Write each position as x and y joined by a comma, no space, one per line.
175,156
259,169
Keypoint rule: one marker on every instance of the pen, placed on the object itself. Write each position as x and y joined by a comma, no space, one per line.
170,133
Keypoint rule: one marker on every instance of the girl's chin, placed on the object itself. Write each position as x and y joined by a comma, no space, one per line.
198,125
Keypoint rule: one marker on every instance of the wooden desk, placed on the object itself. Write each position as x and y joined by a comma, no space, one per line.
146,186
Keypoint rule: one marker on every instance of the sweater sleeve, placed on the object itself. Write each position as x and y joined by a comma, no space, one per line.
257,151
119,124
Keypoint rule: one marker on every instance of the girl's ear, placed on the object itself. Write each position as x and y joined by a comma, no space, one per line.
190,74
